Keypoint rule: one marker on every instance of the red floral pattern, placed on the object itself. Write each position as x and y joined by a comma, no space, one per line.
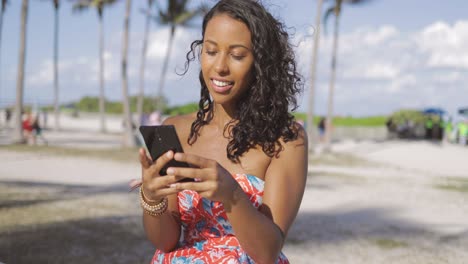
207,235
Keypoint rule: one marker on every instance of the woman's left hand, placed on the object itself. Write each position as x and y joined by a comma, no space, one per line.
212,181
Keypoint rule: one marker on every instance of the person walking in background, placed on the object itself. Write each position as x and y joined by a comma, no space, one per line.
249,156
7,117
37,130
27,124
321,128
429,125
154,119
448,130
462,133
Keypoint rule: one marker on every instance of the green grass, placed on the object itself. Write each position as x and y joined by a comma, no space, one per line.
453,184
122,154
389,244
371,121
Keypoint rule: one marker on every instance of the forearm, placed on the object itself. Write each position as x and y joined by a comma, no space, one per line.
163,231
258,235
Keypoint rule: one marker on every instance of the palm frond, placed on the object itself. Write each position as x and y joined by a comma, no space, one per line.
184,18
356,2
329,11
4,4
178,14
82,5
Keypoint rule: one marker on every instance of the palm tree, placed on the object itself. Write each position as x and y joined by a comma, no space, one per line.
81,5
336,10
129,138
311,131
176,15
56,4
141,93
18,134
2,11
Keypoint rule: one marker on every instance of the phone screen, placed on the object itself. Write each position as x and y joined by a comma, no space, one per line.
161,139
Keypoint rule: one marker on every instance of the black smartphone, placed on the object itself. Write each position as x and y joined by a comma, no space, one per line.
161,139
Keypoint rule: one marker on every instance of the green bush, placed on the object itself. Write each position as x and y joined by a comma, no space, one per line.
348,121
402,116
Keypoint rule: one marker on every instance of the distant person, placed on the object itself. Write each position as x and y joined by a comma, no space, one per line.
463,133
448,130
154,119
37,130
429,124
27,125
7,117
321,128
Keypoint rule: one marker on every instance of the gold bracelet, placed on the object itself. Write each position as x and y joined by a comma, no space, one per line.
153,210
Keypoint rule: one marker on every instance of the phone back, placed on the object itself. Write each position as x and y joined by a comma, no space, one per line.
161,139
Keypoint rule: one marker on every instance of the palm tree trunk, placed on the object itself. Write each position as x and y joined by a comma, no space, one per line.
142,68
102,113
2,11
56,84
128,137
311,130
18,133
164,68
328,125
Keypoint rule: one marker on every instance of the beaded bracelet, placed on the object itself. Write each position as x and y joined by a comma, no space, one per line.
153,210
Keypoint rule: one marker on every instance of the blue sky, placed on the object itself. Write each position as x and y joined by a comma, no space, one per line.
393,54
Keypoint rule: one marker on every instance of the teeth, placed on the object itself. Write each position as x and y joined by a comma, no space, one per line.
220,83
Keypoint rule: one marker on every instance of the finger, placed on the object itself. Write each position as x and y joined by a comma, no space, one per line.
167,191
145,162
188,173
160,162
162,182
194,186
194,160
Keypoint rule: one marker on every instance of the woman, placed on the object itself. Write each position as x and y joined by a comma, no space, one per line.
249,156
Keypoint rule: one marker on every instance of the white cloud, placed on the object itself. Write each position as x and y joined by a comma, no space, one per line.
388,69
445,44
383,34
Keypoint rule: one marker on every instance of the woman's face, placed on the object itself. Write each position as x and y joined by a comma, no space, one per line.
227,58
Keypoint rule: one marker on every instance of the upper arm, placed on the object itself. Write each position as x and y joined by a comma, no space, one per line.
285,181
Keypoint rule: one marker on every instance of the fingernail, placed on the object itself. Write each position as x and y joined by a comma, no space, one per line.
170,171
174,185
168,154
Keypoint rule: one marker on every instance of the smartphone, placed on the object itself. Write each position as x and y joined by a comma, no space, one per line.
161,139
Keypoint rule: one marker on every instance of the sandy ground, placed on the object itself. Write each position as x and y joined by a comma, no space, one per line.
368,202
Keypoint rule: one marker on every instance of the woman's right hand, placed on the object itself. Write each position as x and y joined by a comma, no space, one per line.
154,186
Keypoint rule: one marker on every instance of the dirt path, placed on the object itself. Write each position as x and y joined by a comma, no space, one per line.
78,209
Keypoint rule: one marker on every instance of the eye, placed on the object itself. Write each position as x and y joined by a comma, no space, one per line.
237,57
211,52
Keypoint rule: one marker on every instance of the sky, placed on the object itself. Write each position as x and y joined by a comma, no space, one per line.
393,54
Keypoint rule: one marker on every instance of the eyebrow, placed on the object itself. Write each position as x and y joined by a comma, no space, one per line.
230,47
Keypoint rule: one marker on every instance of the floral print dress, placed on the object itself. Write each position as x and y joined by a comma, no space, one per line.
207,235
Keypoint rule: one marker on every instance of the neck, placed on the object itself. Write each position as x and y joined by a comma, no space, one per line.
222,114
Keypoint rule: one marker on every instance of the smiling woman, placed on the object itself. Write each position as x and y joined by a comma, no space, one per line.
248,155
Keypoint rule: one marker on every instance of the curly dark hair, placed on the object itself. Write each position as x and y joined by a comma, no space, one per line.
263,116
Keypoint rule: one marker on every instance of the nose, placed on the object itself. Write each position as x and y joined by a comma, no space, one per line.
221,66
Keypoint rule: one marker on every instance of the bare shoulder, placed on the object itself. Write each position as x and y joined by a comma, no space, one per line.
299,142
182,123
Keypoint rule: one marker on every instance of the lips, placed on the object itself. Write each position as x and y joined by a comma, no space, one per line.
221,86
